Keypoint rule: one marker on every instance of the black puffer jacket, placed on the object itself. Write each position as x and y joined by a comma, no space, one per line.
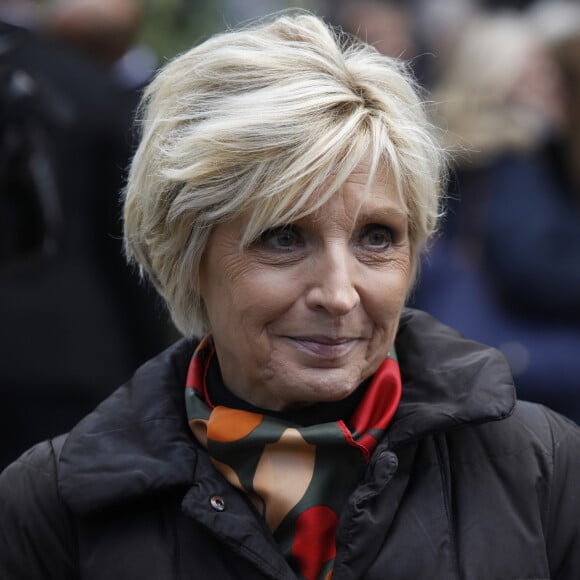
463,486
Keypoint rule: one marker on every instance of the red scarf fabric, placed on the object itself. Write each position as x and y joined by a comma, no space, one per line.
299,478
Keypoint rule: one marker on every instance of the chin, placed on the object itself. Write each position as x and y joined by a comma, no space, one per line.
326,394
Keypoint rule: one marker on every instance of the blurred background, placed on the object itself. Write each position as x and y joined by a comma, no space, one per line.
502,82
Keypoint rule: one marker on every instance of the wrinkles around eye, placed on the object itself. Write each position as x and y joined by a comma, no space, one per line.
281,239
376,237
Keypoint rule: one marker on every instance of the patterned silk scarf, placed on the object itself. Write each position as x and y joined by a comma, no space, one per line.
298,477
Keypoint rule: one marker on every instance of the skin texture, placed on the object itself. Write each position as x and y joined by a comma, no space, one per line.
306,313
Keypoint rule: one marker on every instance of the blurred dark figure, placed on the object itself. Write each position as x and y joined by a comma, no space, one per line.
106,31
506,269
386,24
507,4
389,25
73,320
539,270
437,25
558,22
31,213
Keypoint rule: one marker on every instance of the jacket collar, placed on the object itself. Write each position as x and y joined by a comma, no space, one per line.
138,441
448,381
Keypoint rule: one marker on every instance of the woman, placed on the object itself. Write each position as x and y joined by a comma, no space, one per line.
284,187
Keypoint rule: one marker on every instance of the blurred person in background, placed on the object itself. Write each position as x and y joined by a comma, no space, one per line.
515,5
558,22
236,11
385,24
437,26
539,271
388,25
22,13
506,269
108,32
64,147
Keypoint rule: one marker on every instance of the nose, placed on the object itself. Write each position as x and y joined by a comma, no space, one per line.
333,287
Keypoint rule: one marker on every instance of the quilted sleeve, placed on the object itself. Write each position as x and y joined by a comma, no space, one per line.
563,525
36,534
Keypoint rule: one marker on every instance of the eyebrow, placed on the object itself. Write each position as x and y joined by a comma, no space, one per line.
380,212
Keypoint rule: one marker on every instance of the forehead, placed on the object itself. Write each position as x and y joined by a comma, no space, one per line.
359,196
363,188
380,185
358,191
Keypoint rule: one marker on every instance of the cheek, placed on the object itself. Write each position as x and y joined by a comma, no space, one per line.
386,297
244,304
384,305
270,291
226,288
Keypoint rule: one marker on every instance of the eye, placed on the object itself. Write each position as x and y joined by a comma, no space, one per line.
281,239
376,237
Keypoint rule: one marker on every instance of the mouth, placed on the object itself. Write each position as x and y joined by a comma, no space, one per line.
324,346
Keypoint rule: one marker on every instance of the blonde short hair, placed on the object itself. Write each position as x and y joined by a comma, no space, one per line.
272,117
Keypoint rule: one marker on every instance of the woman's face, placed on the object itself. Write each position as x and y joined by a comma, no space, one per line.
309,310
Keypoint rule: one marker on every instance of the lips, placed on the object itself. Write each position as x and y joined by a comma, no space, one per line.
324,346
